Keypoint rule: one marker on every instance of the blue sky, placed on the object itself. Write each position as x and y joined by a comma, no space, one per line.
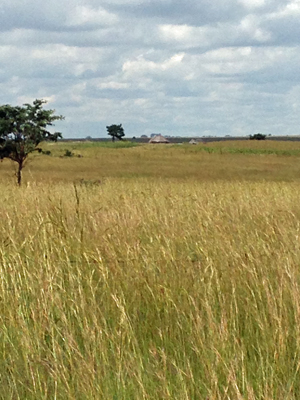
188,68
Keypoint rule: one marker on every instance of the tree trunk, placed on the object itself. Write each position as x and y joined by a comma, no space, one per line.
19,173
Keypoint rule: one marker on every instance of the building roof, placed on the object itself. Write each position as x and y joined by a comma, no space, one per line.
193,141
158,139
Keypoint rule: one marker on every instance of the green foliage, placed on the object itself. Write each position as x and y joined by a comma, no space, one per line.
258,136
46,152
22,129
116,132
68,153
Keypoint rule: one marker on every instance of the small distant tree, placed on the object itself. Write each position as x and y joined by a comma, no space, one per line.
258,136
22,129
116,132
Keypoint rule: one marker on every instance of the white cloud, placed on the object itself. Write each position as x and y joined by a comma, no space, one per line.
253,4
84,15
251,26
187,36
290,9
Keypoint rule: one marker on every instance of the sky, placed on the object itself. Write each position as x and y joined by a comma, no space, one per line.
175,67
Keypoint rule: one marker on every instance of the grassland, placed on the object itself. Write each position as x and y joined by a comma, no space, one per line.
152,272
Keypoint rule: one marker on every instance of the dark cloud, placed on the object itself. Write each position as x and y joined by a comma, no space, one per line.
285,31
57,16
197,13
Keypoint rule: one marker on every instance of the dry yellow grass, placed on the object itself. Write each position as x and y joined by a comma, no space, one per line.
170,161
177,284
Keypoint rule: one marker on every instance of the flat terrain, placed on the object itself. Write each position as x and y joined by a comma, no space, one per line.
226,161
152,272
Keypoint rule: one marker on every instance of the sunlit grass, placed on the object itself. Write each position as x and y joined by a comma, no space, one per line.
175,275
179,162
284,148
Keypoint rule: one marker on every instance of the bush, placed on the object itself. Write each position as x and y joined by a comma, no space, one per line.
68,153
258,136
46,152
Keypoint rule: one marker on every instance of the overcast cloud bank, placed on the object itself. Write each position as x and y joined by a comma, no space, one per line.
189,68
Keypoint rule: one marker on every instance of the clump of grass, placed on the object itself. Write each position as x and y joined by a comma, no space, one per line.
150,289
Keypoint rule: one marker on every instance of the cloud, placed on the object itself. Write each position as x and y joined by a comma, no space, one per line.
192,12
181,68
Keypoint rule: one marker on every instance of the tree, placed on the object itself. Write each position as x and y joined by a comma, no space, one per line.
115,131
22,129
258,136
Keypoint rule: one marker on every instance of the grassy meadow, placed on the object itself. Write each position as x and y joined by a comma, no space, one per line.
134,272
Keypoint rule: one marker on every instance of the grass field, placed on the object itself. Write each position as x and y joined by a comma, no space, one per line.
152,272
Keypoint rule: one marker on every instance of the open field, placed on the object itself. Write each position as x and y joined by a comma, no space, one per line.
152,272
225,161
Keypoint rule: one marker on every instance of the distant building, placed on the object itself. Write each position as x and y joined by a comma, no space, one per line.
193,141
158,139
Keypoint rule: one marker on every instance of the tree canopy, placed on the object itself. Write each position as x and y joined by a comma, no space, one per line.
258,136
22,129
116,132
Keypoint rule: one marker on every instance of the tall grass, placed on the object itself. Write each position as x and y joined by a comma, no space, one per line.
149,288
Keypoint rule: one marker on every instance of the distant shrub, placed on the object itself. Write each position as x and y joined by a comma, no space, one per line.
258,136
46,152
68,153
